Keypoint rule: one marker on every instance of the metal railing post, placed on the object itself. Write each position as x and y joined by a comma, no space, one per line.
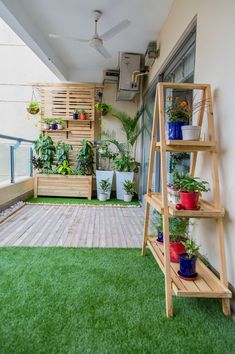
12,164
30,162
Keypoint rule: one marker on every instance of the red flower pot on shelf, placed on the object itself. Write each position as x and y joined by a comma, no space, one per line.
176,248
83,116
189,200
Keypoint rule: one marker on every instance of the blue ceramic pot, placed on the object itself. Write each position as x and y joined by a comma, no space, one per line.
160,236
75,116
53,126
174,130
187,265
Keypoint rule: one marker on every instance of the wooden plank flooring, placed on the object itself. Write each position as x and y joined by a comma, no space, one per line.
73,226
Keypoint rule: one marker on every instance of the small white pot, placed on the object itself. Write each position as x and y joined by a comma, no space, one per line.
59,126
103,175
191,132
127,198
120,179
46,126
102,197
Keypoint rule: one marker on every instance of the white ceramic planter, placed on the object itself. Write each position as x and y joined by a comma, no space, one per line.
59,126
121,177
46,126
127,198
102,197
103,175
191,132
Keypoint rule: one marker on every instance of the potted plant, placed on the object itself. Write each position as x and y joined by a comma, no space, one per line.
157,224
60,123
125,167
103,108
76,114
53,124
85,158
179,114
33,107
105,186
174,188
188,260
129,188
105,158
62,152
46,123
190,190
83,114
45,149
177,230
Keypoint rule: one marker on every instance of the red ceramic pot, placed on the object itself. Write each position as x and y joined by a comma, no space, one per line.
189,200
176,248
82,116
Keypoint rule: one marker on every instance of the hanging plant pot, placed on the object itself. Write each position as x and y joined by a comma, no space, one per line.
189,200
187,269
176,248
191,132
33,111
174,130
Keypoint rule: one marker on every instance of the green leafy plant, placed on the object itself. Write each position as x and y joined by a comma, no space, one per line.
130,126
82,111
37,163
191,247
177,178
62,152
129,187
126,164
178,228
45,149
60,120
105,185
157,221
85,158
76,111
193,184
47,120
64,169
103,108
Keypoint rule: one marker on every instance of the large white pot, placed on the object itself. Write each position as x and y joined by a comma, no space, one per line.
121,177
127,198
103,175
191,132
102,197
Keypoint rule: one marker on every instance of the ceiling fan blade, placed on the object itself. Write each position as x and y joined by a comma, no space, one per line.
115,30
101,49
60,36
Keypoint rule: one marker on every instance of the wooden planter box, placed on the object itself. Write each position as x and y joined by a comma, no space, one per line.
62,186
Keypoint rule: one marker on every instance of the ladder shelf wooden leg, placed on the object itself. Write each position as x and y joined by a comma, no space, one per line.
146,224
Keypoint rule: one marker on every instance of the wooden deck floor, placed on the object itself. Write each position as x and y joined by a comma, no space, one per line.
73,226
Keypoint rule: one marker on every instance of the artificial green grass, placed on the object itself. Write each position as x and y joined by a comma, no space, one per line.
57,200
100,301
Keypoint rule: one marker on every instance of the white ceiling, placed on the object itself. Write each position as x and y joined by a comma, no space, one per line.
33,20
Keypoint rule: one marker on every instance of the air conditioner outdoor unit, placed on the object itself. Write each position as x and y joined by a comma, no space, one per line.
129,63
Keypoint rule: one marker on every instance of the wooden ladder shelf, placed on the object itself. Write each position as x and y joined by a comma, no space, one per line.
206,284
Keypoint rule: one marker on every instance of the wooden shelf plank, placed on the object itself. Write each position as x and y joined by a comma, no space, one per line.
187,145
205,285
206,210
56,130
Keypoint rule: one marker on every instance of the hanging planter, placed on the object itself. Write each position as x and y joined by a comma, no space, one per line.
33,106
103,108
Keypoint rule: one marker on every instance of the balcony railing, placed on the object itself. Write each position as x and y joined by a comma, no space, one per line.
15,159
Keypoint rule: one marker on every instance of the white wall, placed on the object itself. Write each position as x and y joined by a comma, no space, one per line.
19,66
215,52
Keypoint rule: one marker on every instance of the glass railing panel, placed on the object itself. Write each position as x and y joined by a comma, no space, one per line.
4,163
22,162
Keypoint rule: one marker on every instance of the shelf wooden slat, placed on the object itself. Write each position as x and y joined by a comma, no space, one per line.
187,146
207,210
205,285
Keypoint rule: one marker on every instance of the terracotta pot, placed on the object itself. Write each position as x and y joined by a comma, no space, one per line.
83,116
189,200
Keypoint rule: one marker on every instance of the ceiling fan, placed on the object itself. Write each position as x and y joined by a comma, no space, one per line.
96,41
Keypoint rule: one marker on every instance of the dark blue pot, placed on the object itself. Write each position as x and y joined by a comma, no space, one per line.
174,130
160,236
53,126
75,116
187,265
